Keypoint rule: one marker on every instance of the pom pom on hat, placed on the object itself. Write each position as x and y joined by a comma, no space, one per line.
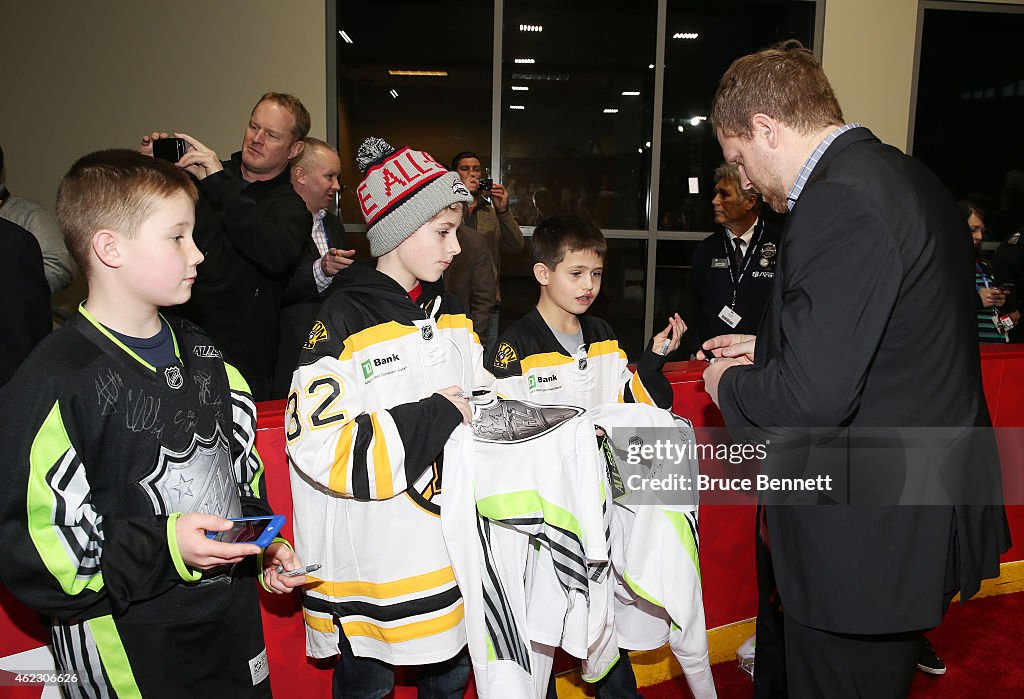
402,190
372,151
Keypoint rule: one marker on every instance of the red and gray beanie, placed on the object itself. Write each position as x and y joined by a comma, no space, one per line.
401,190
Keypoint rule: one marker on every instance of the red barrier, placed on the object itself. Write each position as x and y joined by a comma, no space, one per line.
727,532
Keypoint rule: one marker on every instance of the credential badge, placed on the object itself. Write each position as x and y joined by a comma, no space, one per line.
768,251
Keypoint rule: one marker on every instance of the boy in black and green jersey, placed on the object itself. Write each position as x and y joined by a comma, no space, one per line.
127,438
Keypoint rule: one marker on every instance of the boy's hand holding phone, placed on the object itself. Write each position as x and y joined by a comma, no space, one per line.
202,553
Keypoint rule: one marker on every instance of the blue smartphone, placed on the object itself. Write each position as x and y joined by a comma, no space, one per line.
250,530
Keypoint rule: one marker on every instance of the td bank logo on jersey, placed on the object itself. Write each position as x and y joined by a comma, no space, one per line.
384,365
543,382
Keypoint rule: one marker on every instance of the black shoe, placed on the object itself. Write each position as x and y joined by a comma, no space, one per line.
928,661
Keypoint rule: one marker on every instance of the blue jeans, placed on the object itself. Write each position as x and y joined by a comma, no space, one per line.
620,682
368,678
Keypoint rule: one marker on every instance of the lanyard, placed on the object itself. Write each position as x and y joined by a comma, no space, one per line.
733,279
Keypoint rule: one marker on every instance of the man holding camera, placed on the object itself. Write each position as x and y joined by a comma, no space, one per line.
252,229
490,216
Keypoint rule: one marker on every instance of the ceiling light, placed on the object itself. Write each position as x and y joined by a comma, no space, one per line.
516,106
648,144
421,73
651,66
640,150
520,88
394,94
611,111
539,76
525,60
685,35
531,28
631,93
680,128
346,37
695,121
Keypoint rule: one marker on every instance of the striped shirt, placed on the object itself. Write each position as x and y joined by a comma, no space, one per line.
987,330
812,161
322,246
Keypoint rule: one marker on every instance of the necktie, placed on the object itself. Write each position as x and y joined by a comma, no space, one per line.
738,243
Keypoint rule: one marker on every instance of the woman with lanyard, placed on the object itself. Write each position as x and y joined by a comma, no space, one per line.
994,322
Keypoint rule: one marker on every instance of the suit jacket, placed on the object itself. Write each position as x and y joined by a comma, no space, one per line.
471,278
870,328
23,285
713,283
301,302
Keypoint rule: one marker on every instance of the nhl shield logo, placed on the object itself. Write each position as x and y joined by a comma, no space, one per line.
198,479
173,376
581,363
427,332
512,421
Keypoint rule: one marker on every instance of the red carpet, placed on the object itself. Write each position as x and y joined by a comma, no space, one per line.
980,642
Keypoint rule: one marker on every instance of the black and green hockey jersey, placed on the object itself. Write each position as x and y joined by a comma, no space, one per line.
102,453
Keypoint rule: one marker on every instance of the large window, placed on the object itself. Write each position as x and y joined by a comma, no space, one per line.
596,108
970,99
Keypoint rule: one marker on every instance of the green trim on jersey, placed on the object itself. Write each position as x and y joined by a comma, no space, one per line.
598,678
236,382
102,328
685,534
50,445
114,657
640,591
172,546
527,502
491,654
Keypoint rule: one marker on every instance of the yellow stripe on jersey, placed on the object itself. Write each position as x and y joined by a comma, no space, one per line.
455,322
640,394
385,332
605,347
384,590
381,462
543,361
338,478
318,623
406,632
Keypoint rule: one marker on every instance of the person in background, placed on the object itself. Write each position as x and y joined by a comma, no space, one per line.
470,277
489,215
996,318
23,286
314,177
41,224
252,228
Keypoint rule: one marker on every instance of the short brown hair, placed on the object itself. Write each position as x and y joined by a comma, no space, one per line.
114,189
294,106
564,233
785,82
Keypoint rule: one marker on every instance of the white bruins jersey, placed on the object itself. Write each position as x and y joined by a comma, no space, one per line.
525,475
365,434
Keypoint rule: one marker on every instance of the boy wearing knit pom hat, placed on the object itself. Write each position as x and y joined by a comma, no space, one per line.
376,395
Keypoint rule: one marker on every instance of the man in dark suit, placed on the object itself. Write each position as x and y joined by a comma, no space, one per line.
23,286
314,177
868,340
731,284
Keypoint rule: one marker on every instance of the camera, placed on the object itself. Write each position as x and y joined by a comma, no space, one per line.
486,184
169,149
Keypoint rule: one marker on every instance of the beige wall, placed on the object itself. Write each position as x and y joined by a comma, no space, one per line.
868,53
79,76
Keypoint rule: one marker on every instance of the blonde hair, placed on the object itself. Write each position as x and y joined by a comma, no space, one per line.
117,190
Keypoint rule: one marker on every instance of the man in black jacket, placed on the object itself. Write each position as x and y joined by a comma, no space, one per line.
252,229
868,341
314,178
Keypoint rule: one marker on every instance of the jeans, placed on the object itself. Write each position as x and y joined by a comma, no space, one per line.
620,682
368,678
